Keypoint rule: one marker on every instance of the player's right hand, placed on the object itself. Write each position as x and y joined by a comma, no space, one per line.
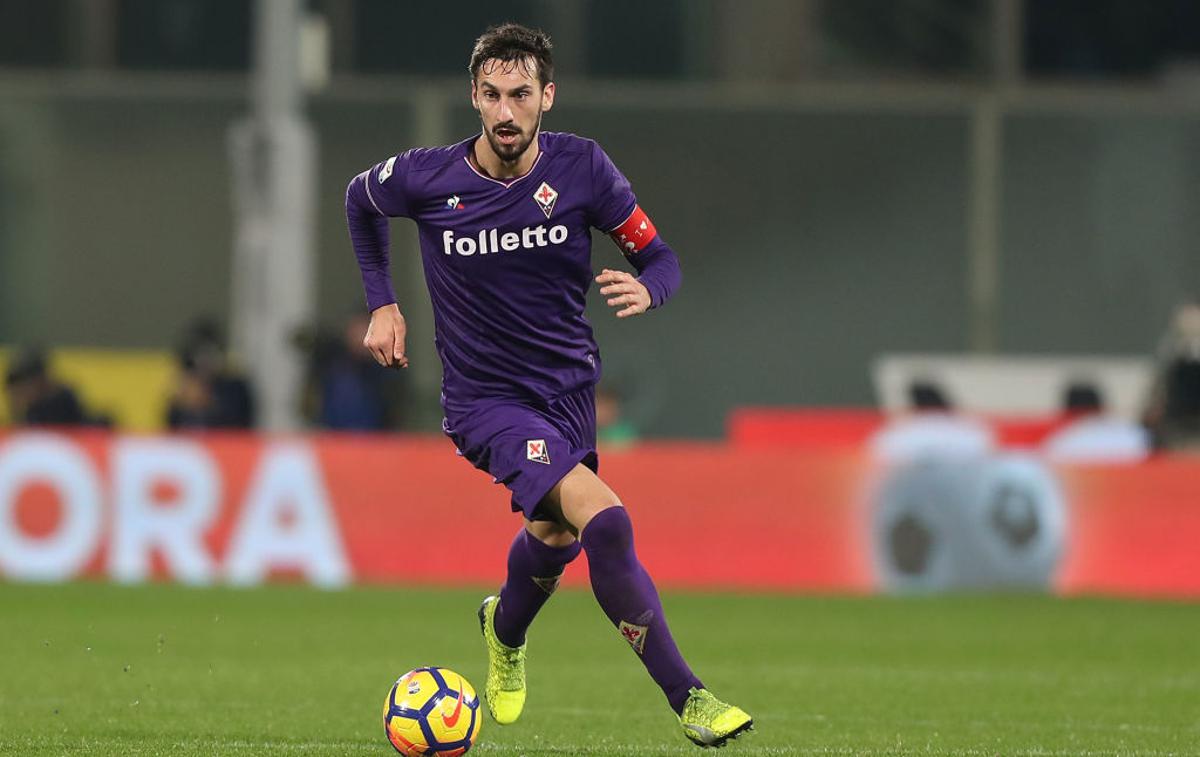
385,337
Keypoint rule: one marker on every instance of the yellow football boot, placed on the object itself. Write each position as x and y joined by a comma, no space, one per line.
505,688
708,721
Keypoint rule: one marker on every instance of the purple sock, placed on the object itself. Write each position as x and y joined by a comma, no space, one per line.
629,599
534,568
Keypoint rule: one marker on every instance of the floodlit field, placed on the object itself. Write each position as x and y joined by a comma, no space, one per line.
101,670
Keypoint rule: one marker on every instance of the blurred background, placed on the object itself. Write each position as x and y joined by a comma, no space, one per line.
980,213
844,180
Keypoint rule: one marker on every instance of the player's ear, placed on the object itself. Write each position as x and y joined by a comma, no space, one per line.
548,97
474,95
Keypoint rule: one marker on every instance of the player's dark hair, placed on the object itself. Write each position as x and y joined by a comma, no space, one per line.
511,42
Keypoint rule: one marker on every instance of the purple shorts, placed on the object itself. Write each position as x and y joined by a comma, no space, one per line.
527,445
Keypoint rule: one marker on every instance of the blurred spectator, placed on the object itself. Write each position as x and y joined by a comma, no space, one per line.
926,396
348,390
612,427
208,394
1173,412
1092,435
36,399
932,430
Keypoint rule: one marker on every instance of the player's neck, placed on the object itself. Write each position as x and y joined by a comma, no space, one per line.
490,163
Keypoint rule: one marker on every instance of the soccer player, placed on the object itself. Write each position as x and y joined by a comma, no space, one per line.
503,219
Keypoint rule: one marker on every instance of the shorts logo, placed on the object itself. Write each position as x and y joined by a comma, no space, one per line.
386,172
535,450
635,635
545,197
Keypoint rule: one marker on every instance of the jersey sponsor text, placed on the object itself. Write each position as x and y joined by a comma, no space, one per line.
491,240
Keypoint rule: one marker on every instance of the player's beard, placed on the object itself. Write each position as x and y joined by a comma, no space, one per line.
512,153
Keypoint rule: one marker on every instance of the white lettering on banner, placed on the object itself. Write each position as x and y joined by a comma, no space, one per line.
175,528
491,240
52,460
286,523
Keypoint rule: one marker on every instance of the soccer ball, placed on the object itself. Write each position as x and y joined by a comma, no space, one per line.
432,712
991,522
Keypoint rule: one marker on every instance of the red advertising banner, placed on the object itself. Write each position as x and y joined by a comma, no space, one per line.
1134,529
335,509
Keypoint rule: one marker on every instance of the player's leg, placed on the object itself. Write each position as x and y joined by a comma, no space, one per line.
629,599
619,582
519,447
536,559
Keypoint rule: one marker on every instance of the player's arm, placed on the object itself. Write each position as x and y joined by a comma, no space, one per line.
614,209
366,203
657,265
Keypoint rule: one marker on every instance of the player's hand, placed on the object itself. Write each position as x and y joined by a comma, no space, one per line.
624,291
385,337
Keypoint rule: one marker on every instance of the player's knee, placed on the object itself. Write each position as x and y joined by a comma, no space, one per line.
580,496
551,534
609,532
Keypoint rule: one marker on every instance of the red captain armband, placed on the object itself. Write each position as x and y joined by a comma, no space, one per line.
637,232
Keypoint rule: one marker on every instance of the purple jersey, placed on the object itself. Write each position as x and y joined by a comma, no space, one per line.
507,263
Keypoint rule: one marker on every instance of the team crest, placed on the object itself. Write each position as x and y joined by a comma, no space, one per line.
634,634
545,197
536,450
548,584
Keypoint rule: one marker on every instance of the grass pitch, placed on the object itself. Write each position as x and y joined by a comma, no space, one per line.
162,670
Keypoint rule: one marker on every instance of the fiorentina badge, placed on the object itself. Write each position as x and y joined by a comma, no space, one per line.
547,585
545,197
634,634
535,450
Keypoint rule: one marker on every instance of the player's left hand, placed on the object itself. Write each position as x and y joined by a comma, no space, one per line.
624,292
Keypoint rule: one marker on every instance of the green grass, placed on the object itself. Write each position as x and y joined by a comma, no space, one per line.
102,670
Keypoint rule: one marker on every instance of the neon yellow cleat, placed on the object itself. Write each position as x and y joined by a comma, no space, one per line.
708,721
505,688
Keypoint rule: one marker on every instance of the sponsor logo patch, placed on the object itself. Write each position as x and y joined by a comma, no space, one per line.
536,450
386,172
634,634
545,197
454,203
